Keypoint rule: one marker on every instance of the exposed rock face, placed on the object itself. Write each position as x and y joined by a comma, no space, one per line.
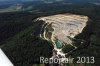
59,29
65,26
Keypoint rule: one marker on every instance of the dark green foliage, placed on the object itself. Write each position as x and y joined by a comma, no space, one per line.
25,49
49,31
28,53
12,23
67,48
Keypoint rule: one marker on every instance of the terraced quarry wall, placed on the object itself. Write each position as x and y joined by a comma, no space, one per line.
64,26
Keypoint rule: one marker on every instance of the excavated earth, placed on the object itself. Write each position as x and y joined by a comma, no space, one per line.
62,27
65,26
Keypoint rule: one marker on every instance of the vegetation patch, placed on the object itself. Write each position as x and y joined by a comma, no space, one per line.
49,31
67,48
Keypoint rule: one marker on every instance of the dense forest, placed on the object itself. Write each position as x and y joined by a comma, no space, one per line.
12,23
25,49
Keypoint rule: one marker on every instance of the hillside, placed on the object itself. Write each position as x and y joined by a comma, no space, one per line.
61,29
24,40
24,49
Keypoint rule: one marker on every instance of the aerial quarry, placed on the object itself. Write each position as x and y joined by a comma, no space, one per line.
59,29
